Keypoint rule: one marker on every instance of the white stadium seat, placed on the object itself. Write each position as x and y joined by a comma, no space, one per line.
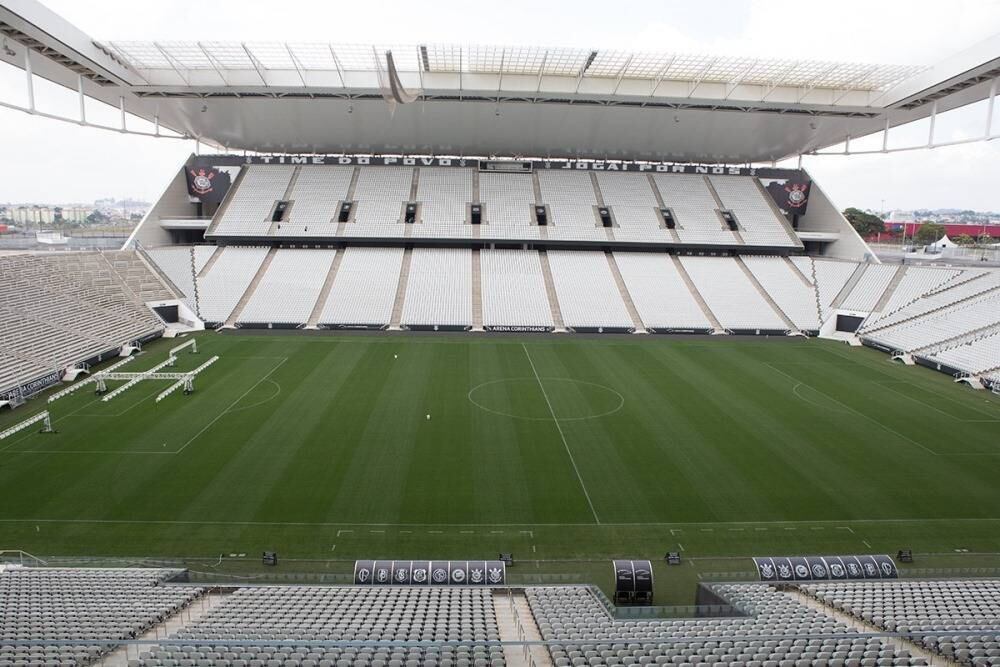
289,289
507,199
570,197
759,223
797,300
315,196
730,295
439,289
444,195
585,286
380,195
659,293
227,279
249,209
688,196
364,288
514,289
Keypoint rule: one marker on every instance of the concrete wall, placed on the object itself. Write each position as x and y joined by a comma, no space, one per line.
174,202
822,215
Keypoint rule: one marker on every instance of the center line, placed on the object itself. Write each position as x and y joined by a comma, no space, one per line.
561,434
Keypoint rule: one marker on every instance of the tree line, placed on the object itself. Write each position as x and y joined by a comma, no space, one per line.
868,225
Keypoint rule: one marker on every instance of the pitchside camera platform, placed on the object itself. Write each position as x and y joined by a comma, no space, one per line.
825,568
430,573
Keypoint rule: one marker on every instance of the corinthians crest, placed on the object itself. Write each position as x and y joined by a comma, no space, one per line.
825,568
207,183
201,181
797,194
429,573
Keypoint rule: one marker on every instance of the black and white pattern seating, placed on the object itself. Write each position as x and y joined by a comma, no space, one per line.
970,609
574,615
64,604
300,619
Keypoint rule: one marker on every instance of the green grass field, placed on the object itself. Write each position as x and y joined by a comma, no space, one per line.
565,451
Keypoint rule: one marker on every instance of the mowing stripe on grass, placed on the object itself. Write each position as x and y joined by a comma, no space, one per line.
232,405
853,411
561,434
209,522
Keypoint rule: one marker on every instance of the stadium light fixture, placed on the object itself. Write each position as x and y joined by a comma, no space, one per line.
7,50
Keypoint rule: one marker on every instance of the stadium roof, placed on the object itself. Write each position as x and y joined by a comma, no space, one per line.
491,100
166,62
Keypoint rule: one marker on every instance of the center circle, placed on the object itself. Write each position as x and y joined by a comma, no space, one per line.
538,399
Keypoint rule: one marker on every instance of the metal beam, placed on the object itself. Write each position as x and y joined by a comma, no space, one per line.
256,63
701,75
216,65
930,131
989,107
295,63
852,85
814,82
336,63
173,63
621,74
541,71
739,79
658,79
30,79
83,99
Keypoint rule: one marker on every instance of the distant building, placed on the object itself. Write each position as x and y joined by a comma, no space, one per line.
32,215
952,230
76,213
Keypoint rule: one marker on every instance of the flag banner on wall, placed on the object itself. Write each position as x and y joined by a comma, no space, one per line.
209,184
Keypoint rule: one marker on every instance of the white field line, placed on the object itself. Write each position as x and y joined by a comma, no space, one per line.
561,434
231,405
855,412
485,525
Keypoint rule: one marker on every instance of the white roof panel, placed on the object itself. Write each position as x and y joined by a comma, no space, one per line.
530,60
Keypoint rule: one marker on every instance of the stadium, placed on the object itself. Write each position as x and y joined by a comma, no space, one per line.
484,355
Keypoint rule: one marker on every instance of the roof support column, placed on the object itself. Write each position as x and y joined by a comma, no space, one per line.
930,132
83,99
989,108
30,79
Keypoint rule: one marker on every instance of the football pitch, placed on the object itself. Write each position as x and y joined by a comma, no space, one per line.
565,451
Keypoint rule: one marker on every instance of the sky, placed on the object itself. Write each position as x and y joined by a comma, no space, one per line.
51,161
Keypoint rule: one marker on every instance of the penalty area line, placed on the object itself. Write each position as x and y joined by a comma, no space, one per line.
232,405
856,412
